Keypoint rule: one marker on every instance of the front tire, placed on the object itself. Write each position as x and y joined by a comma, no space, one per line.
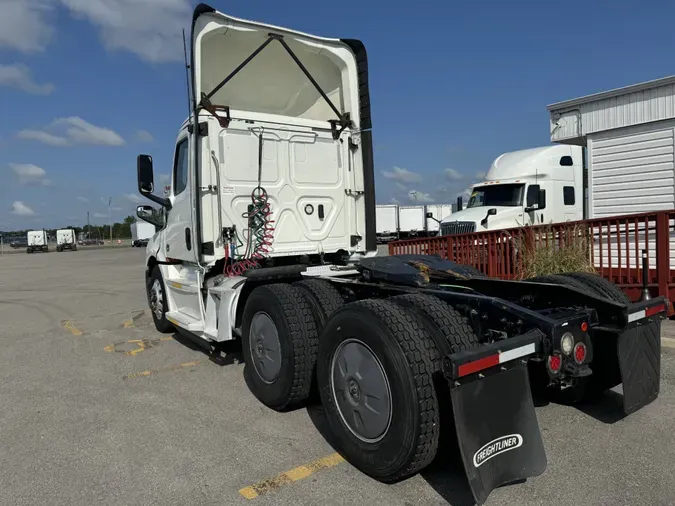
157,301
374,372
279,341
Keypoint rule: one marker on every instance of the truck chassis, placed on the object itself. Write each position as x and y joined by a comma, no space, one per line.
414,356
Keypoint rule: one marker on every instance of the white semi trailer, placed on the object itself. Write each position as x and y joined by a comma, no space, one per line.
269,236
37,241
66,239
141,232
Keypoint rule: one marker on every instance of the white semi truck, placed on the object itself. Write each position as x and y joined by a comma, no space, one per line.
37,241
269,236
66,239
527,187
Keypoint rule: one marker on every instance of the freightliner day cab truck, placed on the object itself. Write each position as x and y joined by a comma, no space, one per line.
37,241
65,239
526,187
268,236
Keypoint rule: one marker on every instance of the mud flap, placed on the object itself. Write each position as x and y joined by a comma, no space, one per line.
639,351
497,430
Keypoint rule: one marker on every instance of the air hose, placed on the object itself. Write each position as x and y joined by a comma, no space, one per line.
260,230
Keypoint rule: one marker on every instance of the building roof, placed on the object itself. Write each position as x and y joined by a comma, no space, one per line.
612,93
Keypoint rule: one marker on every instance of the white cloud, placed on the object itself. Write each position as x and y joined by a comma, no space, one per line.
100,215
402,175
30,174
116,209
21,209
83,199
44,137
136,199
73,130
417,196
144,136
151,29
401,186
395,201
453,175
25,25
19,76
480,176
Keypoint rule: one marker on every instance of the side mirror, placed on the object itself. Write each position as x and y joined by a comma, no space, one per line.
532,199
491,212
147,213
542,200
146,180
430,215
146,177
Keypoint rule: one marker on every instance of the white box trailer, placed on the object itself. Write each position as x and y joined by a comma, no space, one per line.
65,239
412,221
386,222
37,241
438,212
140,232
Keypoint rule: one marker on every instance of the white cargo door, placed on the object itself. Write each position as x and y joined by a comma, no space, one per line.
305,173
632,173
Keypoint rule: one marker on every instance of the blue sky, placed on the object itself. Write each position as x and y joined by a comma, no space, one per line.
85,85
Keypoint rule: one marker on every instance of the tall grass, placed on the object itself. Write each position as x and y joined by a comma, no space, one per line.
567,250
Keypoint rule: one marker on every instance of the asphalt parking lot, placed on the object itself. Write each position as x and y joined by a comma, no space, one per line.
99,408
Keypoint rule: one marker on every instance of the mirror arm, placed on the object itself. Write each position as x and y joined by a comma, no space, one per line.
159,200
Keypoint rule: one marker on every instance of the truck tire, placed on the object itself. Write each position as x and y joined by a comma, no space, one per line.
451,333
279,341
559,279
377,350
157,301
600,285
322,297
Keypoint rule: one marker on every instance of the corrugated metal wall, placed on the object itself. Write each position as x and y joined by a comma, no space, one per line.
632,170
638,107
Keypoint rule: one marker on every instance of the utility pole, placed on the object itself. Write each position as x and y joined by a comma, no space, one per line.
110,219
88,227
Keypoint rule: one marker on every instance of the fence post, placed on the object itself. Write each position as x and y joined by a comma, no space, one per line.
662,252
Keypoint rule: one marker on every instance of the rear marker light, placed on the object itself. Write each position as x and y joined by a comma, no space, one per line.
554,363
584,327
580,353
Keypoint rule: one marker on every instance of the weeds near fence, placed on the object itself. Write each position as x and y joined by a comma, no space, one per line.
549,250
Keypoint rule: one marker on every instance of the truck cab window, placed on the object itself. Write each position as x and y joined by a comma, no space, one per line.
180,169
505,195
568,195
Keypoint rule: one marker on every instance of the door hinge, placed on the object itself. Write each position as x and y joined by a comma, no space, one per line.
354,193
203,129
210,188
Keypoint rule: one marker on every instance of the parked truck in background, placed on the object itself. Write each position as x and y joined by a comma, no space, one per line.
141,232
66,239
527,187
281,253
37,241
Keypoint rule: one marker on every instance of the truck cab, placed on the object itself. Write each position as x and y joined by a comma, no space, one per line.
273,168
65,239
37,241
527,187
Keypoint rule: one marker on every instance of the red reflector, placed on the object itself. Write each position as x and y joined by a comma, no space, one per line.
584,327
651,311
580,353
554,363
478,365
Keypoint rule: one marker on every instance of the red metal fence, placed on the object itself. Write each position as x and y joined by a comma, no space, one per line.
614,246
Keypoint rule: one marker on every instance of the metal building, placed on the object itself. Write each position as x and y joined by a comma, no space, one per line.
629,134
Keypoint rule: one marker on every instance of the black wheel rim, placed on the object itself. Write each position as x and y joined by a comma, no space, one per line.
265,347
361,390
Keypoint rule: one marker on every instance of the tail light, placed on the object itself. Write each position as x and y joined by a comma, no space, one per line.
554,363
580,353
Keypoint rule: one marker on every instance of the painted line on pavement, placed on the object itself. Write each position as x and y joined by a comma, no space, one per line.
291,476
150,372
68,325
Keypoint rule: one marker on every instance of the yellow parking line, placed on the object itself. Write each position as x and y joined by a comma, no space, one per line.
68,325
128,324
291,476
163,369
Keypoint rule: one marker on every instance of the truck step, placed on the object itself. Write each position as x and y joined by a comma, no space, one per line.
185,322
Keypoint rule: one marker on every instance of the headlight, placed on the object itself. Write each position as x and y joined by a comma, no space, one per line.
567,343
